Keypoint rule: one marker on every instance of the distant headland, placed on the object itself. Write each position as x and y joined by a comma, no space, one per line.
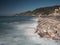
43,11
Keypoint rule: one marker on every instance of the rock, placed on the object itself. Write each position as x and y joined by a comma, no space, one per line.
48,27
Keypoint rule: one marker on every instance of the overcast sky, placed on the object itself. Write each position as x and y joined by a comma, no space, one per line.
10,7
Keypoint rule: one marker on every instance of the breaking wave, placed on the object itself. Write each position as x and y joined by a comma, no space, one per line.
22,33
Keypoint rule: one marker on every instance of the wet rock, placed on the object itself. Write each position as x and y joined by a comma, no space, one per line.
48,27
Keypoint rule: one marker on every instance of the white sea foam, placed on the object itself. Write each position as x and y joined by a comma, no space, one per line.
23,34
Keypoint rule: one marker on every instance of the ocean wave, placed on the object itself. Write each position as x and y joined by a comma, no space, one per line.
22,33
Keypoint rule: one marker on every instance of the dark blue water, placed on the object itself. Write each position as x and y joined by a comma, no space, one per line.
14,18
20,30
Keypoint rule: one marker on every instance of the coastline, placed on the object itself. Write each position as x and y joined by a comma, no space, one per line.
48,27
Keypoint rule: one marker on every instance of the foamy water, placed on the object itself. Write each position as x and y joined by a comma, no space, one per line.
24,34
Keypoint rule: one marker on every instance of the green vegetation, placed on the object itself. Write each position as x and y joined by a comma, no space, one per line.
42,10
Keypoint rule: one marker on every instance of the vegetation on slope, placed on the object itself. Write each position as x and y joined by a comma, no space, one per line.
42,10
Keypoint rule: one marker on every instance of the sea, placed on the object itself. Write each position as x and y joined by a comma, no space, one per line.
20,30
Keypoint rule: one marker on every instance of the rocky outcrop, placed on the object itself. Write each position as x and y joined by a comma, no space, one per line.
48,27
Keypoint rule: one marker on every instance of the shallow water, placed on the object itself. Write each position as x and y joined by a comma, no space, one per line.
20,31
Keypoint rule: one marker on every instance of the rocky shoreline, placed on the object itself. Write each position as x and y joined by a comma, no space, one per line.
48,27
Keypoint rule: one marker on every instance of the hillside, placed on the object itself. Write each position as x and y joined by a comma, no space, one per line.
38,11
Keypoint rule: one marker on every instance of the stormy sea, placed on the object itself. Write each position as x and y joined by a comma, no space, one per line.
20,30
